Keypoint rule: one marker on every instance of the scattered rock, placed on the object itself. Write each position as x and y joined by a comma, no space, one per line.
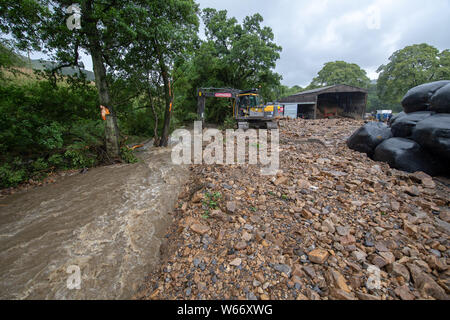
318,256
404,293
236,262
200,228
231,207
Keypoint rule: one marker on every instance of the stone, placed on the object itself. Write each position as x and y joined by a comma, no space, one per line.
395,205
425,283
378,261
404,293
231,207
318,256
283,268
200,228
442,225
241,245
340,294
197,197
412,191
339,281
310,271
387,256
347,240
343,231
236,262
297,272
280,180
306,214
424,179
359,255
410,228
445,216
329,225
246,236
396,269
366,296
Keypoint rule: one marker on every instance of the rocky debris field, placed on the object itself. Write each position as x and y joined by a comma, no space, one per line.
329,226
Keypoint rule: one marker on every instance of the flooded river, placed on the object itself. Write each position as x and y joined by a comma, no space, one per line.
107,224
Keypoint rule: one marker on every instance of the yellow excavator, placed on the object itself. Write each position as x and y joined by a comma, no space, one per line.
248,108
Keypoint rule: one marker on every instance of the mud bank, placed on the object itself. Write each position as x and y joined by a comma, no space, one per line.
109,222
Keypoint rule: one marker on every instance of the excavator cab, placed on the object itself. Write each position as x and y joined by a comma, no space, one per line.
248,107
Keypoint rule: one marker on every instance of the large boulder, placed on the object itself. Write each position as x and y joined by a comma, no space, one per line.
418,98
440,101
433,133
403,125
368,137
406,155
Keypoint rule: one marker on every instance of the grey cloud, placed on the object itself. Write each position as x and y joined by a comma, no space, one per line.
315,32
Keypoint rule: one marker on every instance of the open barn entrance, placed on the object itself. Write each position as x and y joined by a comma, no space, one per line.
306,110
344,104
327,102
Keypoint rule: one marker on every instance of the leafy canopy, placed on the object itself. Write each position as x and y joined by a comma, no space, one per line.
341,72
410,67
232,55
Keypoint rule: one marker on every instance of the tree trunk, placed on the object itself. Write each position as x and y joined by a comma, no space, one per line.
167,98
111,128
155,114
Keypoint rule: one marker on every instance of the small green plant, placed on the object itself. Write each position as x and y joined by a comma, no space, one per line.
271,193
210,202
284,197
253,209
206,215
127,155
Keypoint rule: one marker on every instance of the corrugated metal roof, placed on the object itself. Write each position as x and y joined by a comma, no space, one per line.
325,88
314,90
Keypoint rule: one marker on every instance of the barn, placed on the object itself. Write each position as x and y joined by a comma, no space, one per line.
327,102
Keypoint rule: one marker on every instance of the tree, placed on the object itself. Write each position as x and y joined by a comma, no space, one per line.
234,55
410,67
341,72
108,30
375,103
162,40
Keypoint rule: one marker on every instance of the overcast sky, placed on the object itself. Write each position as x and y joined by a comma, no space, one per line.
365,32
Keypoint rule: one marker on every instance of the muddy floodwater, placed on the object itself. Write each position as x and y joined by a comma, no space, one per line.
108,223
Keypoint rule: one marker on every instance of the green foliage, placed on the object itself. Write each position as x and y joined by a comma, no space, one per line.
127,155
285,91
12,173
211,199
410,67
375,103
341,72
233,55
228,123
45,127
